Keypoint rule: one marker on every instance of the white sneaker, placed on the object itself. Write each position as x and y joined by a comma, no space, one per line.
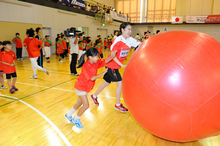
34,77
60,61
45,70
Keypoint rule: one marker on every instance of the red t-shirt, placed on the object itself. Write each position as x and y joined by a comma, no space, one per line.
64,44
1,65
105,43
8,57
59,48
147,36
123,47
32,46
83,82
18,42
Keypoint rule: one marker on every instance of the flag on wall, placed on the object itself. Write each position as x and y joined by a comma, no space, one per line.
177,19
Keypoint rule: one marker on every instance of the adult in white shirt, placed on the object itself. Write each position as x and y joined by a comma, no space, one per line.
137,37
74,50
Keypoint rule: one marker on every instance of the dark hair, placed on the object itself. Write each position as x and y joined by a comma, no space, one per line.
123,25
137,33
30,32
1,43
157,31
6,43
96,42
17,33
80,42
58,34
92,52
37,29
62,36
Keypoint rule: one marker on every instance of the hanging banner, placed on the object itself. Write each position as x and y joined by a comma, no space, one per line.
203,19
177,19
119,17
77,3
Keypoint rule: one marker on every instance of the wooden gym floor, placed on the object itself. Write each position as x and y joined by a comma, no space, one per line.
35,114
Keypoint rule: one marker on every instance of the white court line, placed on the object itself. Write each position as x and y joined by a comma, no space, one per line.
62,89
48,120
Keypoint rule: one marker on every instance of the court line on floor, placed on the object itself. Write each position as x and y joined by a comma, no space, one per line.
43,116
61,89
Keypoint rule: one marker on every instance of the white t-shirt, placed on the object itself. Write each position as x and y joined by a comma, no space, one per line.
74,48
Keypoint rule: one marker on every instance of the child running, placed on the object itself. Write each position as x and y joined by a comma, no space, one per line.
1,67
8,59
85,82
31,45
122,45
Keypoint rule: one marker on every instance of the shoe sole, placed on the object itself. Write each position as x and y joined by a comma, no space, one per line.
77,126
93,100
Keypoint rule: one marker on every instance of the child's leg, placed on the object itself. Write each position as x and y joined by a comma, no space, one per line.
9,83
1,78
75,107
101,87
118,92
85,106
14,81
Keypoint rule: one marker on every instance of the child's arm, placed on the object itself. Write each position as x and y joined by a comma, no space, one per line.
97,76
119,63
113,53
8,63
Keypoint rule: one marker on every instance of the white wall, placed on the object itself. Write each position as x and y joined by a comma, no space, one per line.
210,29
50,17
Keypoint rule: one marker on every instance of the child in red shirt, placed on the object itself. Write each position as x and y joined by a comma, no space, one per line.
60,49
1,67
63,39
18,42
85,82
8,61
105,43
81,47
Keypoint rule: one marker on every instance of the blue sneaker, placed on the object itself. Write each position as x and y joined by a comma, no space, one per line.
78,123
70,118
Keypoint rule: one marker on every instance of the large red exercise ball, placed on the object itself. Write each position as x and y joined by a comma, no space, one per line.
171,85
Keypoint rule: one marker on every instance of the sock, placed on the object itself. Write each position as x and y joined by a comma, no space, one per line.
70,113
77,117
118,104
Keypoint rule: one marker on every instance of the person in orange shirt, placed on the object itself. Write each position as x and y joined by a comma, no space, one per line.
85,82
65,51
33,50
18,42
8,61
60,49
1,67
81,47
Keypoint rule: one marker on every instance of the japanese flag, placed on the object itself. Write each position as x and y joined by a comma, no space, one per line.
177,19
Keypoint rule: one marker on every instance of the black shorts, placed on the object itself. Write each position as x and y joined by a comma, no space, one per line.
101,55
13,75
112,76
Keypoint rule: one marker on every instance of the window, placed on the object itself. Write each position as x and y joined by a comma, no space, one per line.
151,11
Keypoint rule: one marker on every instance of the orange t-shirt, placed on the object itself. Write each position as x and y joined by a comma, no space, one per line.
64,44
8,57
59,47
83,82
123,47
32,46
1,65
18,42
